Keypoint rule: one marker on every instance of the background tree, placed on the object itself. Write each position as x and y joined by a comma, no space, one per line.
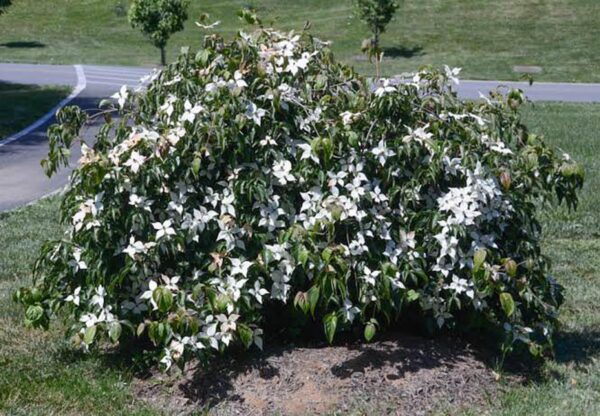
158,19
376,14
3,5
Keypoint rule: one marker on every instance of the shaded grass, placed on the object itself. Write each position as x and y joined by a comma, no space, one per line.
21,105
40,373
485,38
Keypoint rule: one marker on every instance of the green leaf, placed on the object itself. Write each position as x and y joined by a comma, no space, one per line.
508,304
153,333
326,254
479,259
511,267
140,329
163,298
370,330
249,16
412,295
89,335
203,56
105,103
330,325
196,166
114,331
301,302
34,313
313,299
245,334
303,256
36,295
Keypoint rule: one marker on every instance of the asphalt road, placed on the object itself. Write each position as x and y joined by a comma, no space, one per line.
22,180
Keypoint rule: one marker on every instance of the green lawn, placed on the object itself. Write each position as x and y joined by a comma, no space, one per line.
486,38
572,240
21,105
40,374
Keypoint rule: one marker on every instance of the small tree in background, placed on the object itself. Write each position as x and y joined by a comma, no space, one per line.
376,14
3,5
158,19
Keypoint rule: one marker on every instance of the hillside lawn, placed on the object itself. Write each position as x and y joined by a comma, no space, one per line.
486,38
40,374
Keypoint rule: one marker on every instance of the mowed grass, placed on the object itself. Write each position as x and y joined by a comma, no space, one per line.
40,373
21,105
571,383
486,38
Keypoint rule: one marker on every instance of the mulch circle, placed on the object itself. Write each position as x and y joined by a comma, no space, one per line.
401,374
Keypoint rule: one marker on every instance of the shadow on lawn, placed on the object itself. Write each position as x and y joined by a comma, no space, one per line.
577,347
403,51
22,45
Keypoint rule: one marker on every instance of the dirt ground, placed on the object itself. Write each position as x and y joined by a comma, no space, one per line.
400,375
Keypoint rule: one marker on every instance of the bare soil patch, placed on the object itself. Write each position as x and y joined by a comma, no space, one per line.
399,375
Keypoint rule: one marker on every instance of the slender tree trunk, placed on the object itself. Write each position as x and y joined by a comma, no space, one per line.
163,56
377,53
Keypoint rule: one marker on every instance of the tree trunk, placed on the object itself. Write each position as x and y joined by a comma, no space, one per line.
163,56
376,40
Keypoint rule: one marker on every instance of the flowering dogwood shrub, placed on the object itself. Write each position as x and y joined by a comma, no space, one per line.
260,172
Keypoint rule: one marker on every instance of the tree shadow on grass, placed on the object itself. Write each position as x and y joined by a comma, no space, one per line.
403,51
23,45
571,347
577,347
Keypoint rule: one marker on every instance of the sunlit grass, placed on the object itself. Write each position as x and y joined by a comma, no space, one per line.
486,38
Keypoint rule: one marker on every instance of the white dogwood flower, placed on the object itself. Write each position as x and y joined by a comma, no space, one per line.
191,111
350,311
121,96
384,88
258,292
370,276
254,113
135,161
135,247
282,171
382,153
76,263
75,297
239,267
164,229
452,74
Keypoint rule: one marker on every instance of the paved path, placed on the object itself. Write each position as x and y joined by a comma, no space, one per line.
539,91
22,180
